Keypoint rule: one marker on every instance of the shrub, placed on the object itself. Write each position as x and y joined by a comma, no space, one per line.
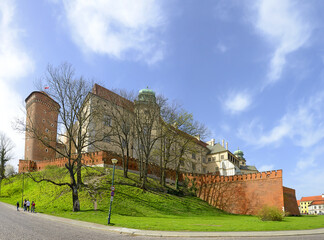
271,213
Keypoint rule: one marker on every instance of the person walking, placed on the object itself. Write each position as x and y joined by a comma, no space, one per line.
25,205
33,207
28,205
17,205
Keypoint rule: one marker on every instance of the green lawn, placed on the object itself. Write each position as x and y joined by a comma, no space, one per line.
153,209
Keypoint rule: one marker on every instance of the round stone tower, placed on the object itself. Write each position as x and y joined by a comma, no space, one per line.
41,123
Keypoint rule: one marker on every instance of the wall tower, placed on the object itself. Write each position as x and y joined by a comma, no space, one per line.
41,121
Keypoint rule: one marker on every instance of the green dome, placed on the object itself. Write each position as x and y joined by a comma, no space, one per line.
238,152
146,95
147,91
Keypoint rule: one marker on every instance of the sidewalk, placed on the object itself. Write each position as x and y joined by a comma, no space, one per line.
136,232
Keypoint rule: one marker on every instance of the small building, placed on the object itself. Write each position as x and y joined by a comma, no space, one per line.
316,207
306,201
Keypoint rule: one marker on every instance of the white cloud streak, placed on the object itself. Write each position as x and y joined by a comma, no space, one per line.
237,102
304,126
124,29
15,64
284,25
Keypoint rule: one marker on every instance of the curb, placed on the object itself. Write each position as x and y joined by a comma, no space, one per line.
151,233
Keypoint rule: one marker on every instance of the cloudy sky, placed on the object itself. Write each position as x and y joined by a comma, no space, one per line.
252,71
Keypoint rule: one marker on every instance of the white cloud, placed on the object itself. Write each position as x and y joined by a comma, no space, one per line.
123,29
304,125
14,61
265,168
283,23
221,47
15,64
237,102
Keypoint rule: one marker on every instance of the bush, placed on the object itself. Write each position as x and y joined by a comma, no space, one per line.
271,213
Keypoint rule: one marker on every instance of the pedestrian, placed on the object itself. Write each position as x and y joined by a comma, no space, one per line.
33,207
25,205
28,205
17,205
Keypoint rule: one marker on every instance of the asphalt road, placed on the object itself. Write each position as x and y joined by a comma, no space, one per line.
24,225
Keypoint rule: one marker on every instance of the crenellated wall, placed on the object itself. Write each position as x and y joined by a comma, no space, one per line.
240,194
101,158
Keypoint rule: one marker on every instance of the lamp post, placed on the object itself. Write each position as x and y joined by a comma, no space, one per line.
114,161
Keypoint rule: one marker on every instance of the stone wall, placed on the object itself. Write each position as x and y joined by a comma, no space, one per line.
243,194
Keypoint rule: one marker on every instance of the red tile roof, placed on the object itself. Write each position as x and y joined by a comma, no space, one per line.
312,198
112,97
318,202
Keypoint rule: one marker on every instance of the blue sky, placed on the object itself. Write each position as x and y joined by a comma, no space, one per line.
252,71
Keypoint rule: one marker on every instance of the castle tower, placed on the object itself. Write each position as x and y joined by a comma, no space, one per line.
239,154
41,121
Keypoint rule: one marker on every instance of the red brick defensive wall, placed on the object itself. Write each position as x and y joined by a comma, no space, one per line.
245,194
239,194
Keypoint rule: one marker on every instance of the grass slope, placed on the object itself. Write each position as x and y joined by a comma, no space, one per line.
153,209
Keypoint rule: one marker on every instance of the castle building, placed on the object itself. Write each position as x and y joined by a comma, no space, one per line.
212,165
202,157
312,204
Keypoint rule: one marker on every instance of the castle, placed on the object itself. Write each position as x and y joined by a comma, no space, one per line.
209,164
42,111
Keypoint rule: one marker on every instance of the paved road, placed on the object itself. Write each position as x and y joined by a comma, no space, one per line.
23,225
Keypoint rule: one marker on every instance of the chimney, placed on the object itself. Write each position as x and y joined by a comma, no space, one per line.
212,141
223,143
322,195
226,145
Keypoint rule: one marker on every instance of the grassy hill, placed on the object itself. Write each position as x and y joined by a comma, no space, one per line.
152,209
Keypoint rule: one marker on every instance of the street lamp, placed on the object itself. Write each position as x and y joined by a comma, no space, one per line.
114,162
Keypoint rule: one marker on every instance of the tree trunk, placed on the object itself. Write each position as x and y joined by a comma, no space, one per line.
144,179
163,173
79,177
75,198
177,177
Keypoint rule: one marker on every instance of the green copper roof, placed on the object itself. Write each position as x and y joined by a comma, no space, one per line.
238,152
146,95
146,91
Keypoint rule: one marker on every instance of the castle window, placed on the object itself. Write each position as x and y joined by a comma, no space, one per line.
46,150
209,159
43,120
46,130
214,159
193,167
52,124
222,156
193,156
204,160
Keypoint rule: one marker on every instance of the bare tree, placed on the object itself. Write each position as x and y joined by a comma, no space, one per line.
75,118
186,142
119,132
6,147
9,170
147,115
